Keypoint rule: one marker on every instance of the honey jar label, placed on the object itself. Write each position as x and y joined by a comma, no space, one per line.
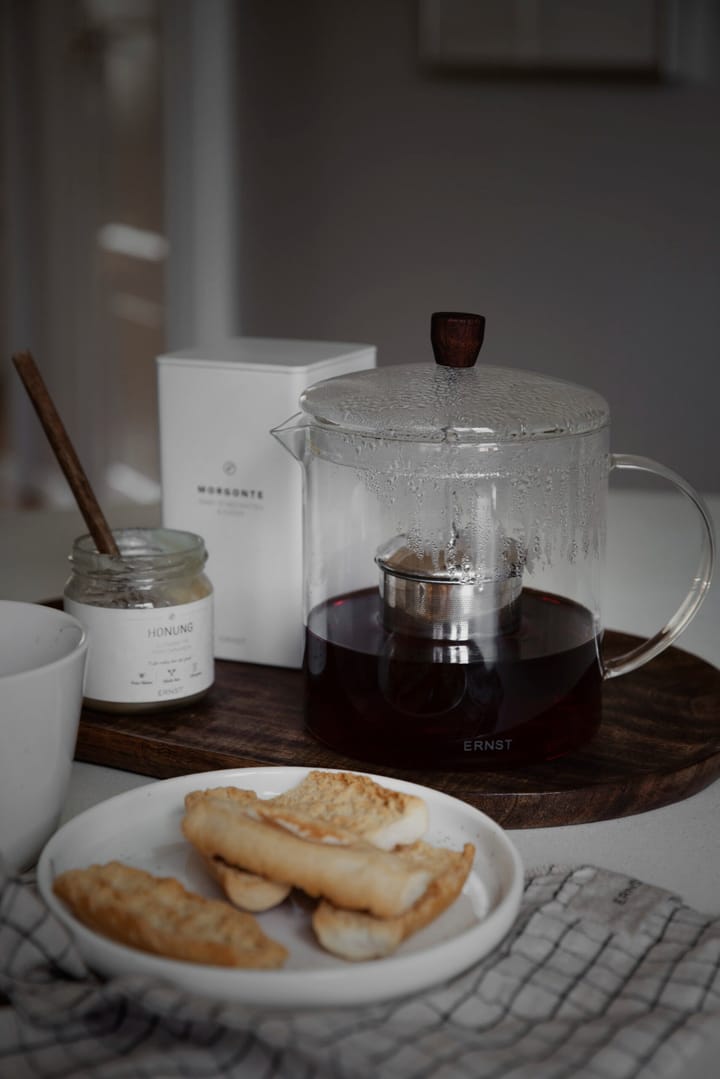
147,655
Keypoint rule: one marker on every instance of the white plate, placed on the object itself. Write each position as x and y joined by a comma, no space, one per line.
142,827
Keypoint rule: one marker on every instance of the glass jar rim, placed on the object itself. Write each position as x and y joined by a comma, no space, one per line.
142,550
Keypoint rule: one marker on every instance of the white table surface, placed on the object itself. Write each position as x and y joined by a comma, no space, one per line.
653,545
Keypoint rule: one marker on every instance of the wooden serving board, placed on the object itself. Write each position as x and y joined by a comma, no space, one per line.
659,742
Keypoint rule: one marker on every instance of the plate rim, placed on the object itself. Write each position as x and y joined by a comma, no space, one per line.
296,984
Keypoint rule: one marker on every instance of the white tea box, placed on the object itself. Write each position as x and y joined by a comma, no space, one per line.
225,477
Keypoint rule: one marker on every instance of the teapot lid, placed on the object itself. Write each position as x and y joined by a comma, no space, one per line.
452,400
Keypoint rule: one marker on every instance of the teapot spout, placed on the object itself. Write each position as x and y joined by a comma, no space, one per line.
293,435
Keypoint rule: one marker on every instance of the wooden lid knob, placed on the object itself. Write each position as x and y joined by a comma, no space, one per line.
456,337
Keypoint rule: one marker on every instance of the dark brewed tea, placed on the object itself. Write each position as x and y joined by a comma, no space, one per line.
386,698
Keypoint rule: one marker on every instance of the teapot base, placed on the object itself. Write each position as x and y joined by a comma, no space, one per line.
388,699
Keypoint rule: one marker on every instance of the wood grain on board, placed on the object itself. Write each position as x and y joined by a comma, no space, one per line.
659,742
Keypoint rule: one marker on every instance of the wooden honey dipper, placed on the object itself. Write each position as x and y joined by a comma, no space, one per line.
65,453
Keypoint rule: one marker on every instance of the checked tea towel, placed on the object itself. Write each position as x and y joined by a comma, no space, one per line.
601,977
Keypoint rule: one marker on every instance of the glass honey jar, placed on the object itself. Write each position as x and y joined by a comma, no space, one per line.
149,618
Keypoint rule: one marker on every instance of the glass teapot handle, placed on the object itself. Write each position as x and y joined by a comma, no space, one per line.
701,582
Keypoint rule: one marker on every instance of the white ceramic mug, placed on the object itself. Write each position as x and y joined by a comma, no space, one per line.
42,668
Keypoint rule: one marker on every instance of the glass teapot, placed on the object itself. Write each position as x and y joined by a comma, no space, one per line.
454,543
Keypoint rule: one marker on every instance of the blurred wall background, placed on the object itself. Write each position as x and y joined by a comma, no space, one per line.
82,237
582,218
298,169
